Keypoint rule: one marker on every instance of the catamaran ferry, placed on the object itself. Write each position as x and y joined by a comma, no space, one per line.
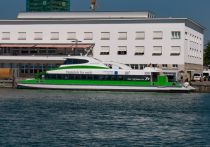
85,73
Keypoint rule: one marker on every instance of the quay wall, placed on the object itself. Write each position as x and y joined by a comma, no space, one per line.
203,87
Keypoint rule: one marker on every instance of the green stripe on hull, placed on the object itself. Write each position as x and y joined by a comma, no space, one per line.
97,82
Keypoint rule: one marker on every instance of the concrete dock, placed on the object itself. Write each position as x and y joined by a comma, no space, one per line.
7,84
201,86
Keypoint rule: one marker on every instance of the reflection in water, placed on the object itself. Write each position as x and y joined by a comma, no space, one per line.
79,118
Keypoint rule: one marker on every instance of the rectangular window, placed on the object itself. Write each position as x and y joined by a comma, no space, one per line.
51,51
38,36
44,3
63,4
139,50
157,35
134,66
54,35
142,66
175,65
71,36
21,35
175,50
164,66
122,36
42,51
176,35
5,35
122,50
140,35
157,50
105,50
154,65
105,36
88,36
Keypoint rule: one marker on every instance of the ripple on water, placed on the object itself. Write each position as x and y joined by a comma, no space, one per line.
79,118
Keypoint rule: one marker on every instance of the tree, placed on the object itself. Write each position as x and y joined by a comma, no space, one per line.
206,56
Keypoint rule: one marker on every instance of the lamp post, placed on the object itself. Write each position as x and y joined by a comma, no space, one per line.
76,41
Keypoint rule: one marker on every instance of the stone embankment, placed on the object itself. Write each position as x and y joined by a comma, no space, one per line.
201,86
7,84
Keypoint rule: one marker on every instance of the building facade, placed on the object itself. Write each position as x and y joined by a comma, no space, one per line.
137,39
48,5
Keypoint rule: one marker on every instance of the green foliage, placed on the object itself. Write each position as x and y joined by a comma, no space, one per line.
207,55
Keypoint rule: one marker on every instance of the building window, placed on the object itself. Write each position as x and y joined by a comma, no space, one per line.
5,35
157,50
63,4
21,35
142,66
139,50
105,50
54,35
88,36
105,36
140,35
175,65
44,3
134,66
164,66
52,51
122,36
176,35
38,36
154,65
71,36
175,50
122,50
157,35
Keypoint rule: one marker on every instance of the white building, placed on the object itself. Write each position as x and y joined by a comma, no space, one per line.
134,38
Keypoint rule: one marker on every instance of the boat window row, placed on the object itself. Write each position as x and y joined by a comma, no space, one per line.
97,77
75,61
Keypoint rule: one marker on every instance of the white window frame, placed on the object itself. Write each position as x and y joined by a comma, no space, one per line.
38,35
122,35
105,50
21,35
175,50
139,50
140,35
105,35
5,35
157,34
122,50
71,36
88,35
176,35
156,51
54,35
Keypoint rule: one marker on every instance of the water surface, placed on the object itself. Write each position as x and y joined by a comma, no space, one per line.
79,118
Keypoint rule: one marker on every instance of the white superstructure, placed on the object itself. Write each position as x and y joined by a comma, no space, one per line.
134,38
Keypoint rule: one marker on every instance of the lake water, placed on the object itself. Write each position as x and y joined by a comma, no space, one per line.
79,118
